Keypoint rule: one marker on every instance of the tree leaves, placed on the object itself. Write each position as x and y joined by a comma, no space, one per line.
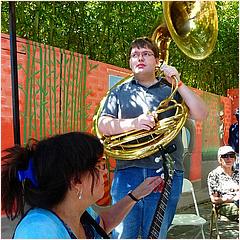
103,30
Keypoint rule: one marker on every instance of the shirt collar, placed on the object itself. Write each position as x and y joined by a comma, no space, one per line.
220,170
135,81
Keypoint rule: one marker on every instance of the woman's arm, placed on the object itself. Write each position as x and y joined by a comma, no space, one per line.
113,215
220,200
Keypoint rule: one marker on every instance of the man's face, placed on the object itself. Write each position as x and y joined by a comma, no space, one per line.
142,60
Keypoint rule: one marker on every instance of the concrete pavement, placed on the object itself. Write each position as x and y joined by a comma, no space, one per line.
227,229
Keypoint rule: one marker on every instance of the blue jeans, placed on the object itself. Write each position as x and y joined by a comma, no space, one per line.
137,223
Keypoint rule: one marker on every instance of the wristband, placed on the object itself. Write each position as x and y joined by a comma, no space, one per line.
132,197
180,83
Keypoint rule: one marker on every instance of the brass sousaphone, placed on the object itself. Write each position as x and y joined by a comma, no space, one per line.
193,26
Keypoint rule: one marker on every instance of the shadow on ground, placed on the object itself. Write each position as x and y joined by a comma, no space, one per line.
227,229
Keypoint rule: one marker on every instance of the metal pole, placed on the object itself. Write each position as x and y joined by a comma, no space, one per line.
14,72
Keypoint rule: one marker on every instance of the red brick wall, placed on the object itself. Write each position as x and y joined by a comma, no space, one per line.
97,83
233,95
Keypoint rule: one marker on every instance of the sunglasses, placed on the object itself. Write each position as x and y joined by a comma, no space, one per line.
228,155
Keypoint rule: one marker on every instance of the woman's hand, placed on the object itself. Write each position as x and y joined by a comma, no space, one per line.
113,215
150,184
215,198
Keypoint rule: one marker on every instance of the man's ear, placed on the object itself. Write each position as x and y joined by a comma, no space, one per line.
130,63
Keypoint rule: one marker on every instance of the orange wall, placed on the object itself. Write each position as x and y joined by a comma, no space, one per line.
233,95
97,82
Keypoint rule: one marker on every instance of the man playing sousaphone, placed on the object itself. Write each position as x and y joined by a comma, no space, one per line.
126,108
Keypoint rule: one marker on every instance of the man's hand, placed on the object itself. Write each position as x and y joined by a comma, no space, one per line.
144,122
169,72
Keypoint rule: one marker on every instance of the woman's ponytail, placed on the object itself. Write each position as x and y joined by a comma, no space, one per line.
14,162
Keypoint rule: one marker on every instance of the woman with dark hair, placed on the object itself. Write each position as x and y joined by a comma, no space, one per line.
59,178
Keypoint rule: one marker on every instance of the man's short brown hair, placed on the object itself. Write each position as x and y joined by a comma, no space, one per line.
143,42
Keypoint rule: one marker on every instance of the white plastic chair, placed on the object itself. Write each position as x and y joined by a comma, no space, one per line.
187,219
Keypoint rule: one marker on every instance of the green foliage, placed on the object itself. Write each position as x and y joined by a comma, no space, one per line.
220,71
103,30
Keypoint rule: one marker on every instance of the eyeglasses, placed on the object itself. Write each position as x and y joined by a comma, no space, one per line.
143,54
228,155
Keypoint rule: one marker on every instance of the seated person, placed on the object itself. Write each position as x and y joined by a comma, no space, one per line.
223,184
60,178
